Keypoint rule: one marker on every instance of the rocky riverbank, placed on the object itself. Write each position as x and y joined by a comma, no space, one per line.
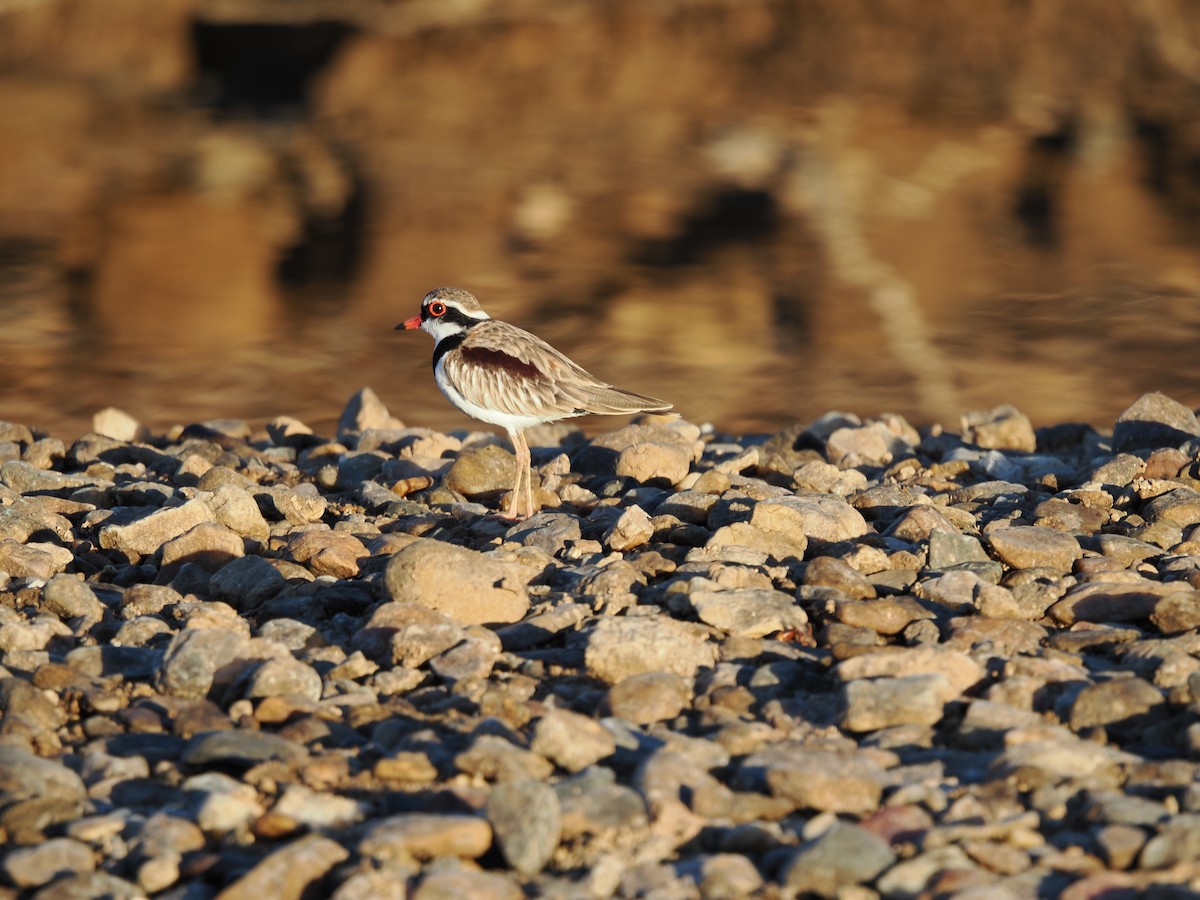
849,659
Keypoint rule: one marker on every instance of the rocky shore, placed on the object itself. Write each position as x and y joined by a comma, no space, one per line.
850,659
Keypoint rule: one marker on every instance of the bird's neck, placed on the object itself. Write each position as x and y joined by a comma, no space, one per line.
446,344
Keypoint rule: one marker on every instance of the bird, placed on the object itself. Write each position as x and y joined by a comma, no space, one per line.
504,375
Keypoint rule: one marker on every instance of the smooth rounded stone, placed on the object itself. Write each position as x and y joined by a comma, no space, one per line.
593,803
1007,637
364,411
819,517
284,676
28,710
1002,428
28,515
166,834
481,472
31,867
690,506
89,885
422,836
917,523
33,560
208,545
526,823
141,531
235,508
571,740
839,781
1113,601
826,571
961,671
318,810
1122,702
887,615
1120,845
239,748
70,598
194,659
289,873
334,553
821,477
631,530
406,634
550,532
291,634
467,586
35,794
301,505
961,590
948,549
1180,506
1029,547
246,583
912,877
870,704
987,721
643,452
496,759
722,876
623,646
867,445
749,612
1177,613
1057,756
1115,808
406,767
221,805
25,478
1062,515
455,882
148,600
1154,420
471,658
1178,841
778,546
649,697
843,856
1126,551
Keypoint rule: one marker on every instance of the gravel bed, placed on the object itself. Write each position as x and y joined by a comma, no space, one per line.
851,659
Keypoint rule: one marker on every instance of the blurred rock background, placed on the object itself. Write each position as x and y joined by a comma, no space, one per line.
760,210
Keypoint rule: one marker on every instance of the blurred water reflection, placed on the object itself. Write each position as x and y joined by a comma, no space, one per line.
760,211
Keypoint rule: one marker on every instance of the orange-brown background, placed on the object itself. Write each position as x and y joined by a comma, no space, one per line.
760,210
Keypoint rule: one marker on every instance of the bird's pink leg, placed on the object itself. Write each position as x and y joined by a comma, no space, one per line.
522,452
529,510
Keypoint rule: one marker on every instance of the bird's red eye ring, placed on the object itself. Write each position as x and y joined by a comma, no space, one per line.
437,308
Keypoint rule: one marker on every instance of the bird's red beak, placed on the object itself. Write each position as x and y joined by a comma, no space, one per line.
409,324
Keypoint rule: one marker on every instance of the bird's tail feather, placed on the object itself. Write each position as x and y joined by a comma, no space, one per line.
615,401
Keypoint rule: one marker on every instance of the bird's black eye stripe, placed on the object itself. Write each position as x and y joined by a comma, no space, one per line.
452,314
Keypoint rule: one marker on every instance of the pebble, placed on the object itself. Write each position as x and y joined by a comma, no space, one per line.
418,836
841,857
847,659
526,823
470,588
618,648
289,873
32,867
570,740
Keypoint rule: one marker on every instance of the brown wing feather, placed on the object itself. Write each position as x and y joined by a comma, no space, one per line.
506,368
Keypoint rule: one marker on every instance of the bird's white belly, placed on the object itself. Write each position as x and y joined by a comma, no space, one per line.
491,416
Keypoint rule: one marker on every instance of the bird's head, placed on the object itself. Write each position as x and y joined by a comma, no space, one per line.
445,312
